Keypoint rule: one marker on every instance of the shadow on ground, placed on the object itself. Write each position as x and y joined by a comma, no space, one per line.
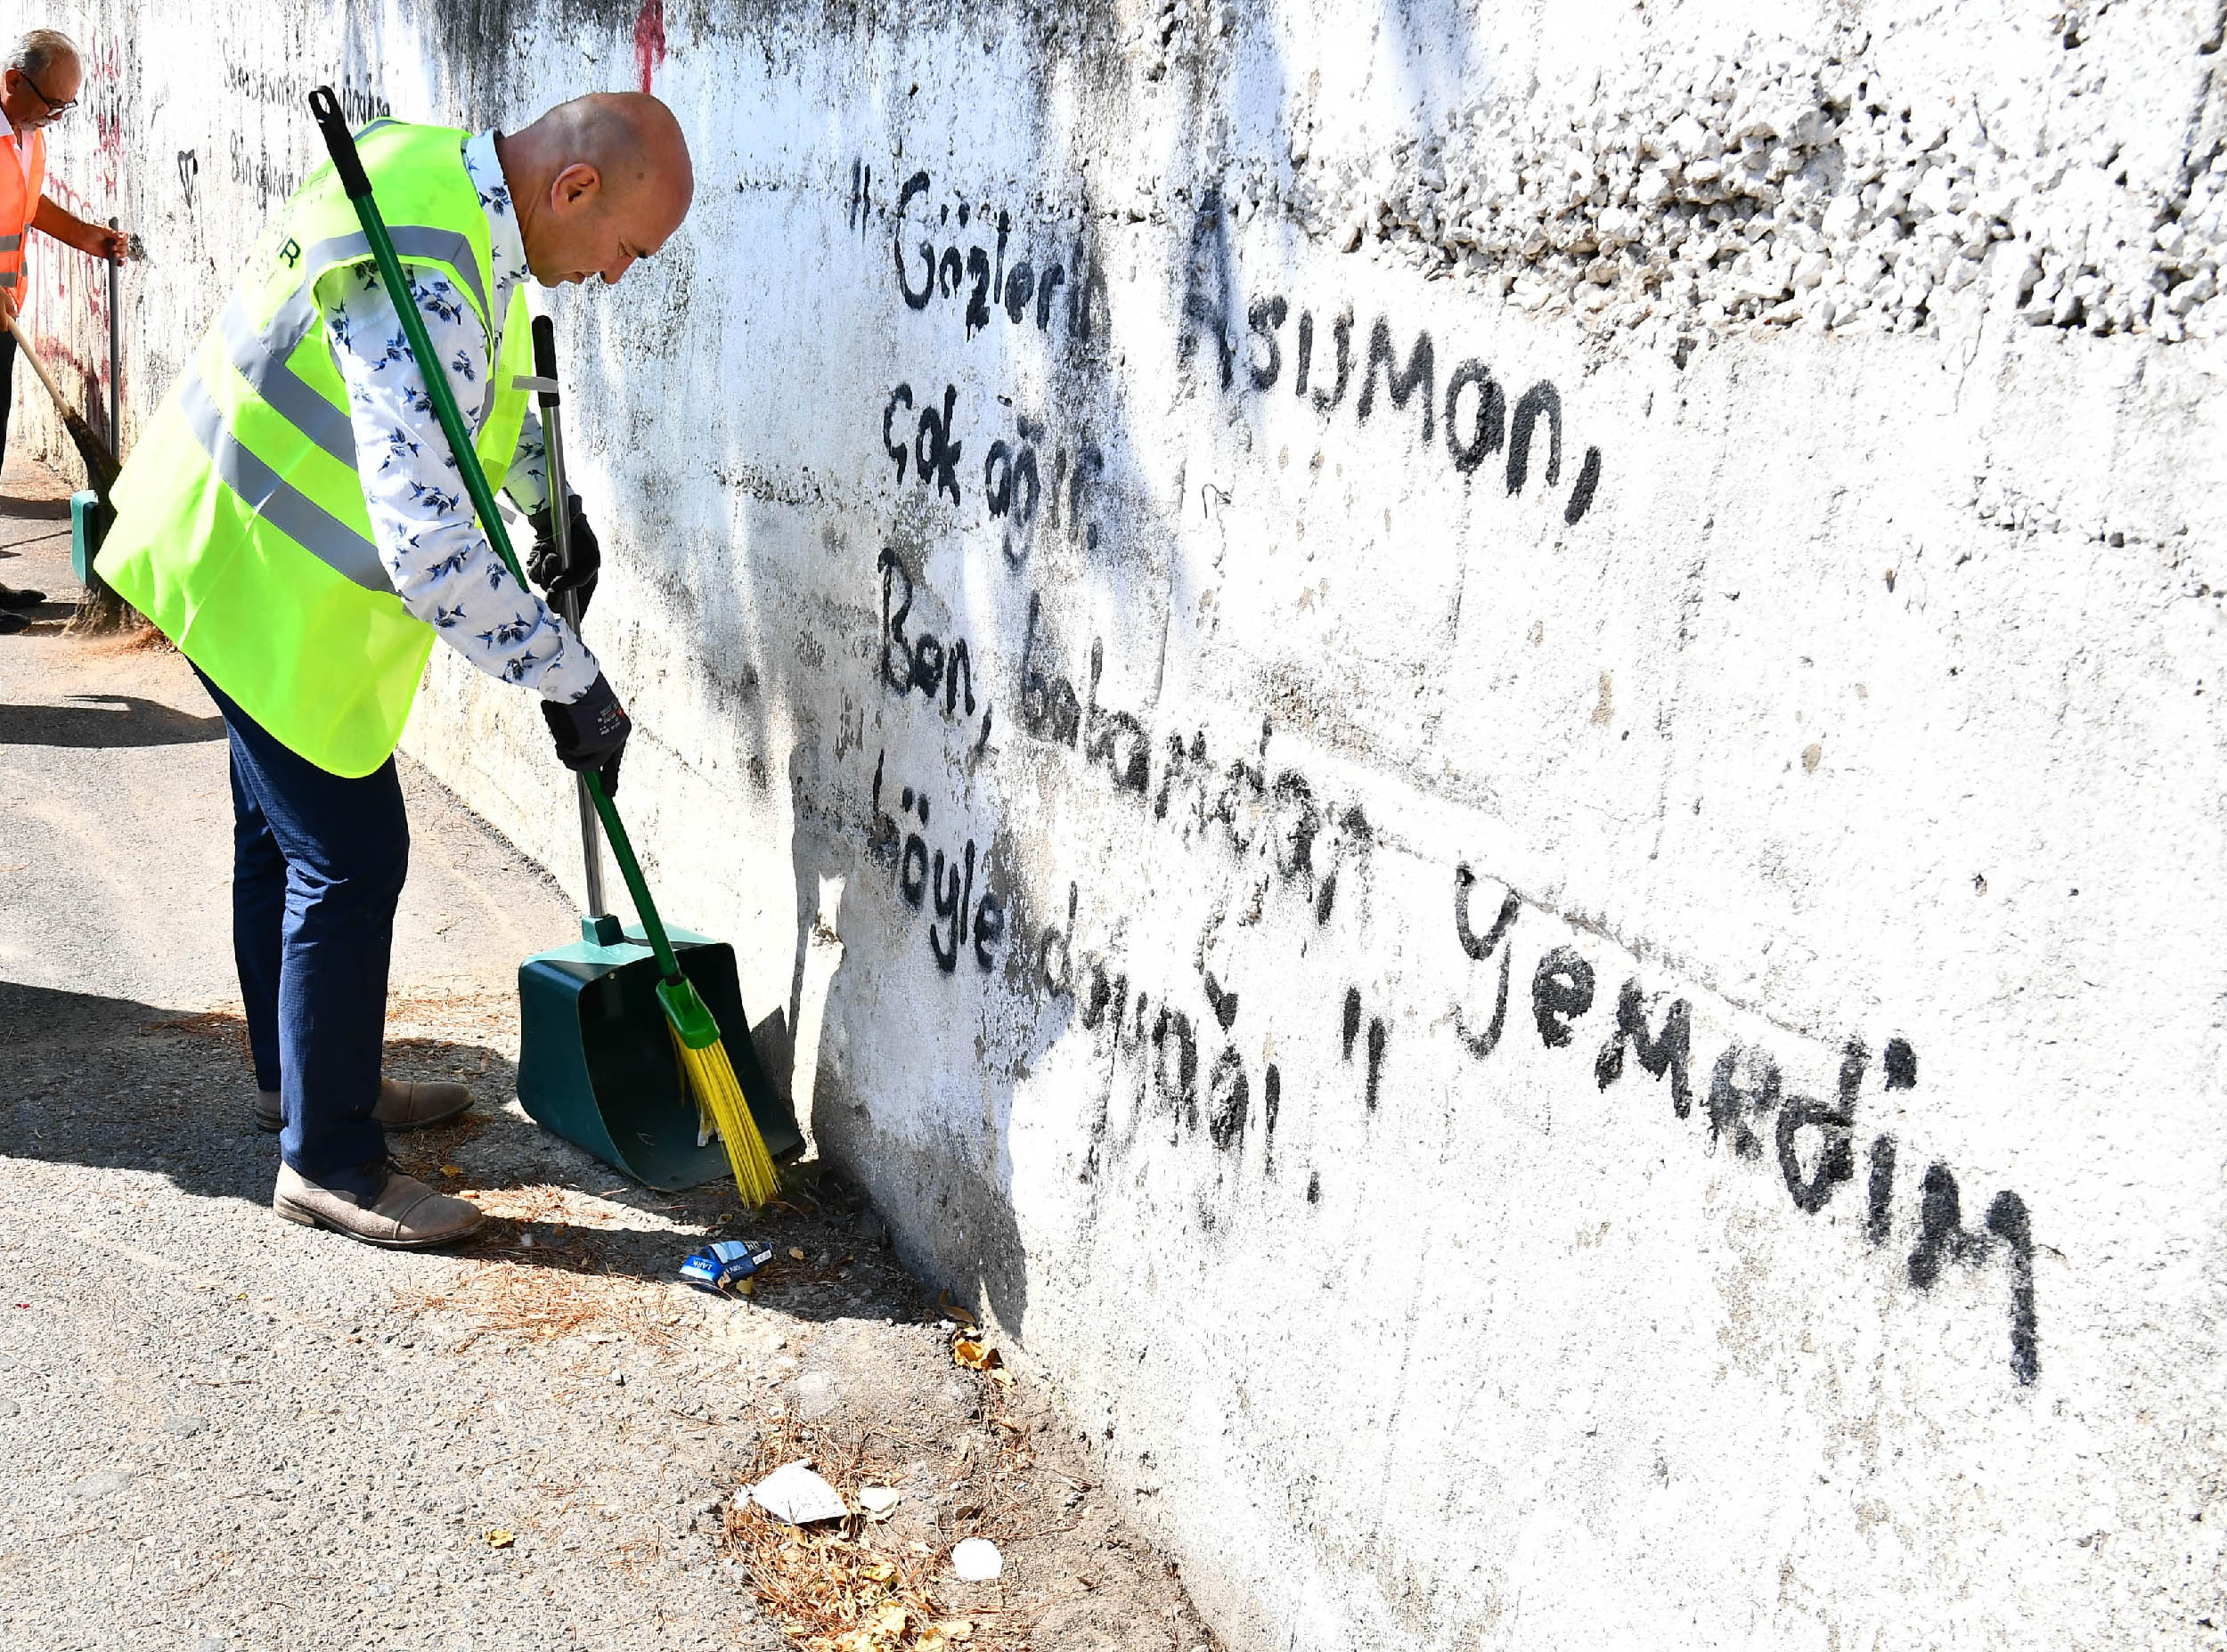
98,720
21,508
114,1084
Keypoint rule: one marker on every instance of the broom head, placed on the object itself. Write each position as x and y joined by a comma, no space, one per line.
719,1097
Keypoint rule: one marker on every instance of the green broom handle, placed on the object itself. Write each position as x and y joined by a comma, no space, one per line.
340,143
622,852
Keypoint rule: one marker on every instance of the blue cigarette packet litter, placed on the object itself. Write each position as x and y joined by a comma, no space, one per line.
725,1264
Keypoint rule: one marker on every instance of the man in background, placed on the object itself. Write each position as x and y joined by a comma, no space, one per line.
38,87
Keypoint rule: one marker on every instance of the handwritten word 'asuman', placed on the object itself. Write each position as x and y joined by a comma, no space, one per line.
1475,417
1812,1140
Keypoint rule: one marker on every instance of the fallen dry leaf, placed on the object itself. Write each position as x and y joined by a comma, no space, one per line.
794,1254
498,1538
951,1310
974,1355
889,1619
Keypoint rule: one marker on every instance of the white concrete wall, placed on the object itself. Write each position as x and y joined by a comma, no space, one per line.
1220,984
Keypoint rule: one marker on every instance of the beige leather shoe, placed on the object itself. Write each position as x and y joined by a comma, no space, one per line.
409,1215
414,1106
411,1106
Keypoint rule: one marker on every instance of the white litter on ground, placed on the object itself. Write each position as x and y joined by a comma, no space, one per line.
977,1561
794,1494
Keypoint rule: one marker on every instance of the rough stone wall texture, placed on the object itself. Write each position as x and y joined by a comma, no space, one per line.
1473,750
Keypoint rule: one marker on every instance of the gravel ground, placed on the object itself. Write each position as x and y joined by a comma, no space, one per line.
226,1431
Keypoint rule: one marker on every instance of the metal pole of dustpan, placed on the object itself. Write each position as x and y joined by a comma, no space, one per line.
544,384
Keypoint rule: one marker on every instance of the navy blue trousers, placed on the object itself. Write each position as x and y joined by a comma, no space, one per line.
318,864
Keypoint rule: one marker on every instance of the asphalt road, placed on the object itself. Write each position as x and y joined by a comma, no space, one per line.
220,1430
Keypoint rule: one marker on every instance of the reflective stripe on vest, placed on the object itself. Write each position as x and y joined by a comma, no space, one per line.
18,204
413,243
275,499
260,357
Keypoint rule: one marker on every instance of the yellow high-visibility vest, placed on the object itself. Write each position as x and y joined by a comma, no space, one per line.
241,528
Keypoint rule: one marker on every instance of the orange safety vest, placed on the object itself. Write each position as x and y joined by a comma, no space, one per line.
19,205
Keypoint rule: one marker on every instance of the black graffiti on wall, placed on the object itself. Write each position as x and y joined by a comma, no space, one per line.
1156,1040
1307,839
1031,473
1303,842
932,448
1151,1046
1377,1035
917,659
1328,366
1752,1114
959,921
1162,1049
253,168
290,89
1159,1048
859,218
1029,480
988,274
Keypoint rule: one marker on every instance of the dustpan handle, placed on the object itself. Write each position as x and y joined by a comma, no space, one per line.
544,382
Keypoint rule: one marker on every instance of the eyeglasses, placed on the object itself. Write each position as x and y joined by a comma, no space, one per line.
54,111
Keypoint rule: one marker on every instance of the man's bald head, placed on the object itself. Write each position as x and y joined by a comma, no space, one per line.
597,184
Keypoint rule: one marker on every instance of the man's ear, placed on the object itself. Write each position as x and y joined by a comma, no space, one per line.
578,185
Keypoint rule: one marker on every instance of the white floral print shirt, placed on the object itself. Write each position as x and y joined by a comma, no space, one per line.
422,521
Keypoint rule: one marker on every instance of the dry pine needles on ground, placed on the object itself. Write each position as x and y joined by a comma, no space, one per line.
827,1588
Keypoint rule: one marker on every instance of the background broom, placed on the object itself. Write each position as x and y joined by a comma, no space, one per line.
100,608
704,1065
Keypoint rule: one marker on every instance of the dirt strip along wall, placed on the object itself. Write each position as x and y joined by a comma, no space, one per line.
1474,752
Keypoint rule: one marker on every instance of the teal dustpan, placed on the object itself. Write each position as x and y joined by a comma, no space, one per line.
596,1063
595,1049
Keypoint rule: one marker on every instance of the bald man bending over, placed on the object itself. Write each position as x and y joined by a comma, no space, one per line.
292,520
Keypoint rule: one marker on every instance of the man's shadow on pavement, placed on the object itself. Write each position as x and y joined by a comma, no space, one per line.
92,721
113,1084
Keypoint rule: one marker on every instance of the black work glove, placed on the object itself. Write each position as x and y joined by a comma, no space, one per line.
587,557
591,733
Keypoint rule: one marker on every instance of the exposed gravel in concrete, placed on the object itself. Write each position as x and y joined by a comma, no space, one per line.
222,1430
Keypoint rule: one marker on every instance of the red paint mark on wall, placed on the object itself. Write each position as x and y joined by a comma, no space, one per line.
649,39
69,310
103,96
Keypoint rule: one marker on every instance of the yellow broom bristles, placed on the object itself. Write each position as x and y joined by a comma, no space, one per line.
719,1099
